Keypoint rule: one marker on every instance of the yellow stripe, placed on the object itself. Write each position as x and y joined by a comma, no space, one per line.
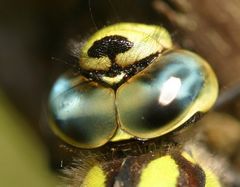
161,172
188,157
211,179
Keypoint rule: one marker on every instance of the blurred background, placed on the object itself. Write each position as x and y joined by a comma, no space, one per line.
32,32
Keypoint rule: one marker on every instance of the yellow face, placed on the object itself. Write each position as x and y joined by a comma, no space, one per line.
128,43
131,84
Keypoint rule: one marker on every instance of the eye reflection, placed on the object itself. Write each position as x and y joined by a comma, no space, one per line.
163,99
169,90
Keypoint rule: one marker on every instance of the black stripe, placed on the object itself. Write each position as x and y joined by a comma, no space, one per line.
130,172
191,175
111,170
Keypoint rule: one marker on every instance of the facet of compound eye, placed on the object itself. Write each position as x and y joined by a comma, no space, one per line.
82,112
166,94
123,43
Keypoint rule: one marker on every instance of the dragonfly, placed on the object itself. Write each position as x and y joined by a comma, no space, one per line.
129,98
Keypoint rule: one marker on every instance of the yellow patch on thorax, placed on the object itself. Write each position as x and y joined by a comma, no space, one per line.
161,172
94,178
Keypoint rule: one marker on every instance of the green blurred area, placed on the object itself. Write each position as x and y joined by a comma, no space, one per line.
23,160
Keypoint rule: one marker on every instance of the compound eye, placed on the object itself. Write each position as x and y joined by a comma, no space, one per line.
82,112
166,94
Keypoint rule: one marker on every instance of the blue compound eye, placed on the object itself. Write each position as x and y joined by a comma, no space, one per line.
81,112
172,89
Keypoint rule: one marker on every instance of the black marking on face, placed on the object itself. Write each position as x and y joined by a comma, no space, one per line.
109,46
140,65
115,69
